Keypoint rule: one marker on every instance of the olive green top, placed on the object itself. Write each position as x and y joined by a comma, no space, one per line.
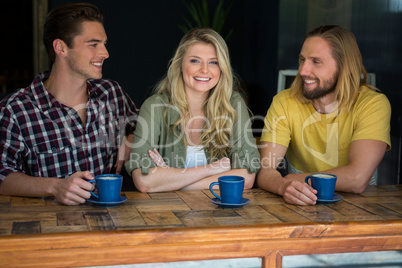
155,130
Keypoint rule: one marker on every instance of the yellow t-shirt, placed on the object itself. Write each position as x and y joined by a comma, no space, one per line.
318,142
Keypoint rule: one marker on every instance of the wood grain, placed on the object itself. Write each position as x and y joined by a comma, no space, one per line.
186,225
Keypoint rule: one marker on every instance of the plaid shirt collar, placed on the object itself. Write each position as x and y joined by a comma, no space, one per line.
46,101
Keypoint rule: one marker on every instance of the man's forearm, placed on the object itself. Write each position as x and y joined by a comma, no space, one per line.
20,184
270,180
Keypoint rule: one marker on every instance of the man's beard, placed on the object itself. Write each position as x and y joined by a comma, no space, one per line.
321,91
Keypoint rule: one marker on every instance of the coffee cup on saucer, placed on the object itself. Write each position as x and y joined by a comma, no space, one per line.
108,187
231,189
324,184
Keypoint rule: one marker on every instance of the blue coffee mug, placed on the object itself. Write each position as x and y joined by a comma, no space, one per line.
324,184
108,187
231,189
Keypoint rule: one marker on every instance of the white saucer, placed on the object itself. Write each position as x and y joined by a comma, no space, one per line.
94,201
336,198
218,202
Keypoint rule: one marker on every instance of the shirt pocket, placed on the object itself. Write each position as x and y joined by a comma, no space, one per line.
54,158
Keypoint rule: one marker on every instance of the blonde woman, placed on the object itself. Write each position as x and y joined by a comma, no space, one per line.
195,128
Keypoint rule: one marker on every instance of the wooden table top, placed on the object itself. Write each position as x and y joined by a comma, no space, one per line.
186,225
20,215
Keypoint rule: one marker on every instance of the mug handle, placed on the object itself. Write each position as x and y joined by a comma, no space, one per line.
307,178
92,193
212,190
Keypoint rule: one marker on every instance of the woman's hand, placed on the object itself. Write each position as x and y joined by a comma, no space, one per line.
157,158
216,167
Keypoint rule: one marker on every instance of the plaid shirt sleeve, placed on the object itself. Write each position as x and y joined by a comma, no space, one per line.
11,145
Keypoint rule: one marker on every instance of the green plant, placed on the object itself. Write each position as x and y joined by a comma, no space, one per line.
200,14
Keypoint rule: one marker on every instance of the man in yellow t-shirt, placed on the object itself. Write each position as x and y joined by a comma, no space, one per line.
329,121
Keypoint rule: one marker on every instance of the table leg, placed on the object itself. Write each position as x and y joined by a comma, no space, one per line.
272,259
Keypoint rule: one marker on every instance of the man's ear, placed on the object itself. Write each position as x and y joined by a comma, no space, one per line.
60,48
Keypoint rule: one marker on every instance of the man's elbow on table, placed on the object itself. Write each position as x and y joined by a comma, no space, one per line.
2,189
356,184
358,188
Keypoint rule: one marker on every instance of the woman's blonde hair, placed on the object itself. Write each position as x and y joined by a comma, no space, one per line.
351,72
218,110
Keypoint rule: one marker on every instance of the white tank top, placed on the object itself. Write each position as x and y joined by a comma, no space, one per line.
195,157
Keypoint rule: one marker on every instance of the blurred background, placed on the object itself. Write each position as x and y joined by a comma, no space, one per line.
264,37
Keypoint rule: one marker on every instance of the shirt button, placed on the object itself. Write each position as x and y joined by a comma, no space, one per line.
54,150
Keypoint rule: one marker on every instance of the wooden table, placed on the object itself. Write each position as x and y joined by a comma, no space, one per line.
186,225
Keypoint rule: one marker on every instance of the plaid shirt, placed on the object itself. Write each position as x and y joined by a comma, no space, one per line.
41,137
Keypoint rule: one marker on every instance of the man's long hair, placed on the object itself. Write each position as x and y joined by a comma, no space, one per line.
351,72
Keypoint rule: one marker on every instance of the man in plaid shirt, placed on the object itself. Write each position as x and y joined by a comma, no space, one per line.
69,125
